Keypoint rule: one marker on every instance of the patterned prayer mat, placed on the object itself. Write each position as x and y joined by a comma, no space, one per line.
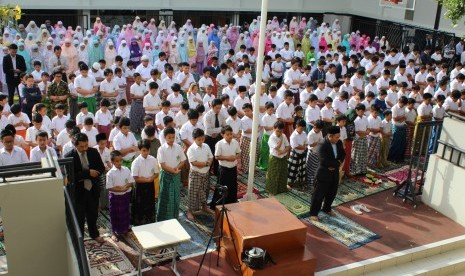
293,203
366,189
107,259
400,175
151,257
345,230
199,236
390,167
2,249
346,194
242,190
103,224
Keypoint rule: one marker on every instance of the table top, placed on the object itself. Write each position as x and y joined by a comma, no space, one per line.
160,234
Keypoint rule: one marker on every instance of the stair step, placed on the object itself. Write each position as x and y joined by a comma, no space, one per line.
442,264
427,259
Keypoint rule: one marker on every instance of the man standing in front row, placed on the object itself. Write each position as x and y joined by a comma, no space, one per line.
87,167
13,66
331,155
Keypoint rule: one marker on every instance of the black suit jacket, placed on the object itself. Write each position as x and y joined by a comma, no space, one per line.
339,71
95,163
8,68
327,159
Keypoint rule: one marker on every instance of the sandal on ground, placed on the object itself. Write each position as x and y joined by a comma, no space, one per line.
356,209
364,208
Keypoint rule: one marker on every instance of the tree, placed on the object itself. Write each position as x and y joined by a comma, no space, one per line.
9,15
455,9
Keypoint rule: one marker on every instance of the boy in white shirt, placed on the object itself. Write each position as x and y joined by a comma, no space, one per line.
305,95
246,126
227,152
297,159
276,175
208,98
59,121
312,113
358,164
32,131
373,139
152,101
171,158
40,151
222,79
119,182
144,170
200,158
175,98
182,116
44,83
231,89
90,131
267,121
165,111
109,89
241,100
234,122
205,80
103,118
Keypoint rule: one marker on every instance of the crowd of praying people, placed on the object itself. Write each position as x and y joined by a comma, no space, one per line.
167,105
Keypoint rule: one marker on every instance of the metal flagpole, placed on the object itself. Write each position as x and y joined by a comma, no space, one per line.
253,147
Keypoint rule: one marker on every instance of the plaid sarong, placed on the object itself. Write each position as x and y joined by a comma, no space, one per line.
296,167
120,216
359,158
312,166
276,175
374,148
137,115
245,154
169,196
199,186
410,130
143,206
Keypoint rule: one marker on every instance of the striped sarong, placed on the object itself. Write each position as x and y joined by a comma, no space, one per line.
120,216
296,167
312,166
245,154
359,158
276,175
199,186
143,206
169,196
374,148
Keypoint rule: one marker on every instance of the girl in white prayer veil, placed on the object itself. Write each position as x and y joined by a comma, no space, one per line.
33,28
110,54
124,51
239,42
224,48
336,26
83,54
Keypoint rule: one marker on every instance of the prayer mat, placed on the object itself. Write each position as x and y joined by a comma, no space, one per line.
242,190
151,257
259,180
103,225
107,259
199,237
346,194
345,230
368,189
390,167
293,203
400,175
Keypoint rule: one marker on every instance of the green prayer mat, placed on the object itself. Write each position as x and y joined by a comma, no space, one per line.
343,229
294,204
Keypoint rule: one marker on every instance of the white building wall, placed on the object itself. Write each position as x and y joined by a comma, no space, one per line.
424,16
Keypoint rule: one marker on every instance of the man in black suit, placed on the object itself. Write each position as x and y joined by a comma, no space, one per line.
88,166
331,155
342,68
13,66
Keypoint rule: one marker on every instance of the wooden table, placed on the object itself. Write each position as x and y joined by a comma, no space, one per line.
158,236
